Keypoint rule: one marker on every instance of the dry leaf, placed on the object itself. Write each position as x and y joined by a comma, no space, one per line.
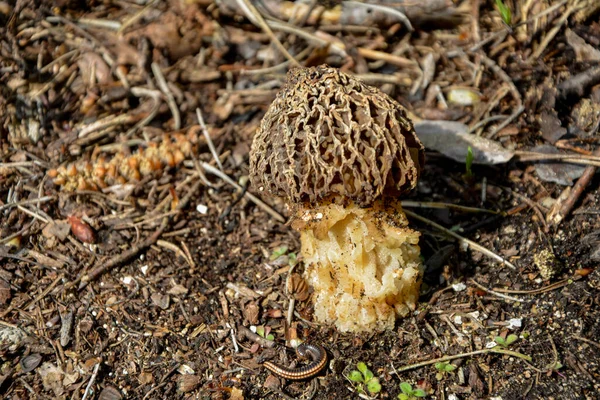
30,362
161,300
52,377
453,139
236,394
146,378
272,383
251,313
5,293
110,393
557,172
583,50
94,69
58,229
178,290
551,126
70,379
187,383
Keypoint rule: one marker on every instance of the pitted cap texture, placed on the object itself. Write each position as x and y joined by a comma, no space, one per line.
328,135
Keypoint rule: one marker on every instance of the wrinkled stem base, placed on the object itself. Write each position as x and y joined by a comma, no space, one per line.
363,263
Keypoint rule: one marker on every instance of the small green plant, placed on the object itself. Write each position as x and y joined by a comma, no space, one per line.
293,259
278,252
555,366
504,11
264,333
408,393
282,251
510,339
444,368
469,162
364,378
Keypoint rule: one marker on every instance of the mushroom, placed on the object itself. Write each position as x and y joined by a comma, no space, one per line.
340,153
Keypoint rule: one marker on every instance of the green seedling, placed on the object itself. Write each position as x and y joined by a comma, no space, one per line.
278,252
554,367
504,11
364,378
469,162
282,251
510,339
443,368
262,332
408,393
293,259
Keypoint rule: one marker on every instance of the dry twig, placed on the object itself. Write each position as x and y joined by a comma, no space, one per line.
257,19
462,240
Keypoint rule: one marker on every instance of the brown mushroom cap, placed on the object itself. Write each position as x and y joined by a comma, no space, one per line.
328,135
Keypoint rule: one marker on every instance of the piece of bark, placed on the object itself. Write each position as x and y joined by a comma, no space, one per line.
550,126
562,208
578,84
424,14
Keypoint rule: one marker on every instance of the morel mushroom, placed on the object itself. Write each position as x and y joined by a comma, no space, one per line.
341,153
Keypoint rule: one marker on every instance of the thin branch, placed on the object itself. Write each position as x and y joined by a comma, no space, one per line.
212,170
500,295
27,202
462,355
91,382
164,87
434,204
256,18
462,240
209,141
388,10
568,158
552,33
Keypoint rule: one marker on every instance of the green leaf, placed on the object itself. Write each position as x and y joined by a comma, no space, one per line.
406,388
278,252
469,162
362,367
368,375
270,337
500,340
293,259
403,396
373,386
505,12
356,376
440,366
558,365
260,331
449,367
419,393
511,339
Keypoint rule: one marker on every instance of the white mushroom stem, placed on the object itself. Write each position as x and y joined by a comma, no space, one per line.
363,263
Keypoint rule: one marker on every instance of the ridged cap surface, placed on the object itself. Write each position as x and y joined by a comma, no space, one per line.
328,135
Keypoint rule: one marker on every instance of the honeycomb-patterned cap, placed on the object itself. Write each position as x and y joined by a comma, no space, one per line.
327,135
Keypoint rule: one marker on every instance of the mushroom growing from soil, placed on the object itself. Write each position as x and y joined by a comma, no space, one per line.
341,153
